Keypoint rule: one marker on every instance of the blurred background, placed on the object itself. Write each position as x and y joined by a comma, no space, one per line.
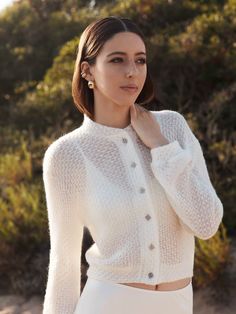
192,57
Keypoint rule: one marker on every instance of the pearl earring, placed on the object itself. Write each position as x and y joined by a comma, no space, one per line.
91,84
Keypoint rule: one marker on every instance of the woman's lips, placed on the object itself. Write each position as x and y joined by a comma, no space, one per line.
130,89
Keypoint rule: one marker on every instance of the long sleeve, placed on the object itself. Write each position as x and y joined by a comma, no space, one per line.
66,230
183,174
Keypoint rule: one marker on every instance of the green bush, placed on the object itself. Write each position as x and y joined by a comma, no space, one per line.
23,224
211,257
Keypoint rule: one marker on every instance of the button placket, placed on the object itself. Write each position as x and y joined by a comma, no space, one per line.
142,191
133,164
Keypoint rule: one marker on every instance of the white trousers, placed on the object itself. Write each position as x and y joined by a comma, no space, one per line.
100,297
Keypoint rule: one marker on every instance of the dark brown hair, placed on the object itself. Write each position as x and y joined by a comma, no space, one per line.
91,41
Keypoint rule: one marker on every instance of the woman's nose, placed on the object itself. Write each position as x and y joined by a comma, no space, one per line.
131,70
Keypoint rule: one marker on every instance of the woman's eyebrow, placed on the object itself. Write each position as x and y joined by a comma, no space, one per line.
124,53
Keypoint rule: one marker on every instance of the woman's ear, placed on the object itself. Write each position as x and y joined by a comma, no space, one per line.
86,71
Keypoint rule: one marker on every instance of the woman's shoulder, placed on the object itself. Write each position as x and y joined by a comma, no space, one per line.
174,125
63,152
168,115
171,119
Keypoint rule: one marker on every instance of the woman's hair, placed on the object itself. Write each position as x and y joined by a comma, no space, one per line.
91,41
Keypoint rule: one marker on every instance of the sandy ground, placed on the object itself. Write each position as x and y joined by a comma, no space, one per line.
219,298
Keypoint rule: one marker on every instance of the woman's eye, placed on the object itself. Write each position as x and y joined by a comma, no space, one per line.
143,61
117,60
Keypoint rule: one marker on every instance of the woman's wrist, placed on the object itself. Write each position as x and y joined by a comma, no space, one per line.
162,141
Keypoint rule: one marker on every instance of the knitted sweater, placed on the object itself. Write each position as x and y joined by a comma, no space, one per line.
143,207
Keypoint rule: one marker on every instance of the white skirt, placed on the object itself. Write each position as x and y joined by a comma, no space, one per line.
101,297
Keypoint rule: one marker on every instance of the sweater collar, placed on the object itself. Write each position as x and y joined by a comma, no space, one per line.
99,129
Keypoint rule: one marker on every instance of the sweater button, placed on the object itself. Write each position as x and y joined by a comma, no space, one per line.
151,246
124,140
133,164
142,190
148,217
150,275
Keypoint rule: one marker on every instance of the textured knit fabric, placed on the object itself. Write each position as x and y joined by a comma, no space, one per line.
142,206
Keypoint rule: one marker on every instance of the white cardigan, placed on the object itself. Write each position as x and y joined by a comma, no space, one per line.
142,206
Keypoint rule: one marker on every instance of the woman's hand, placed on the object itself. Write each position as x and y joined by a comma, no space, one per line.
146,127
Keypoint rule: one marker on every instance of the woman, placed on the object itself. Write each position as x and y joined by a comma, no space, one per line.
137,179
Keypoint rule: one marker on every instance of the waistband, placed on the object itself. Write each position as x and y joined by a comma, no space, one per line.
152,287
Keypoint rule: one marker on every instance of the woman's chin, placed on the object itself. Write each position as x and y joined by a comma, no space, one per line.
126,102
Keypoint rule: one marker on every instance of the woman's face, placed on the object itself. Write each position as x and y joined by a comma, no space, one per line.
121,61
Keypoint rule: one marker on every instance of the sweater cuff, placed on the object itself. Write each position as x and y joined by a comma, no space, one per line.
169,160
